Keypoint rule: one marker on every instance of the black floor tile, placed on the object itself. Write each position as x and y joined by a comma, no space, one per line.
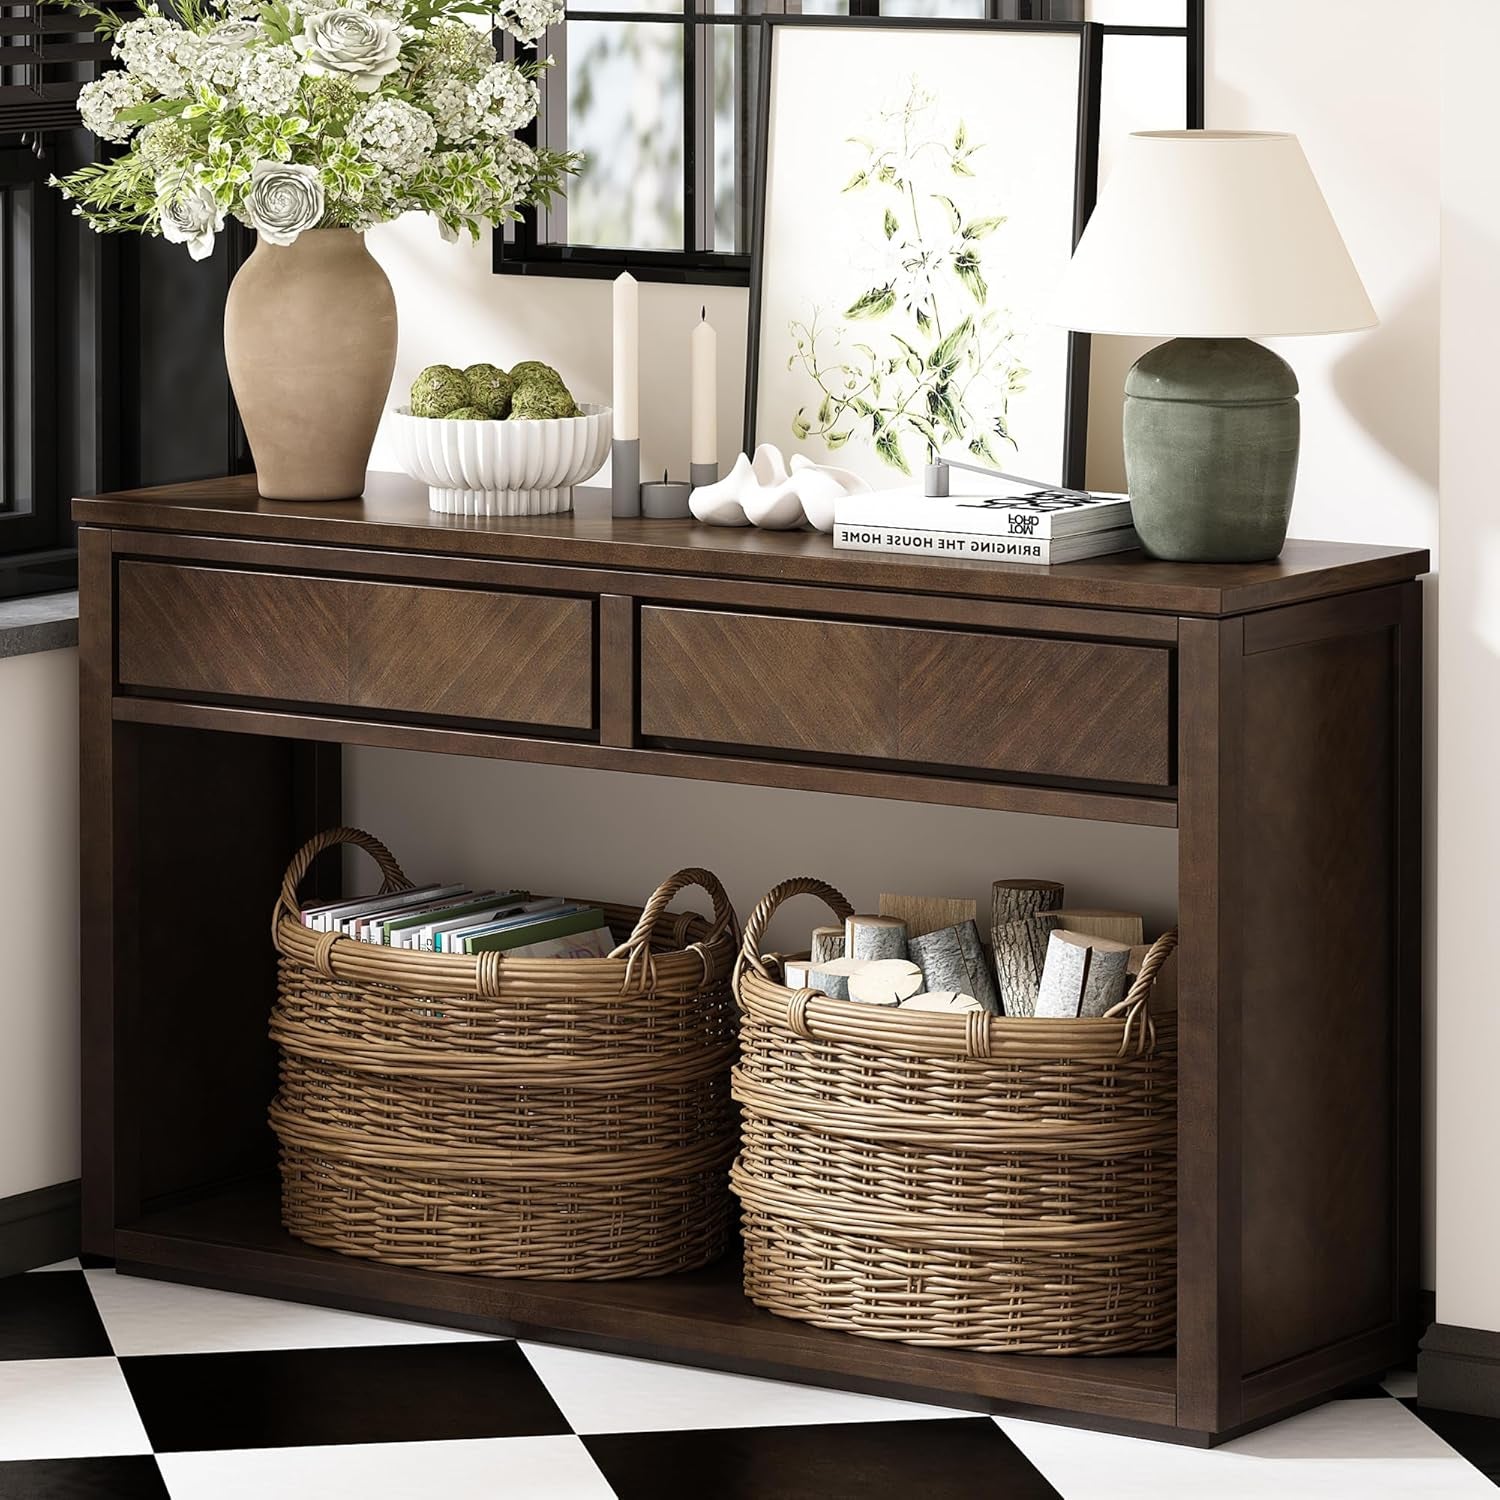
51,1316
943,1459
82,1478
1477,1438
295,1397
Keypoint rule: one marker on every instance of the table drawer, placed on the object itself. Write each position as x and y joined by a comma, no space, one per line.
1076,710
399,648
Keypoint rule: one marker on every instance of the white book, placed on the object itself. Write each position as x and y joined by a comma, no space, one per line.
331,918
1025,515
1041,551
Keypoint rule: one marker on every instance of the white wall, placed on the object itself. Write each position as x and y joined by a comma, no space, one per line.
39,896
1358,82
1468,1034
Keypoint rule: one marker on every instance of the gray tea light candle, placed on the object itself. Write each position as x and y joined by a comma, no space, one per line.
665,499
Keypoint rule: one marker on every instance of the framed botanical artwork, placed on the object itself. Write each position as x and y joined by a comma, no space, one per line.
921,187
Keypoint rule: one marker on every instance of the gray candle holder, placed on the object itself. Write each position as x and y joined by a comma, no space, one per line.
625,477
665,499
702,474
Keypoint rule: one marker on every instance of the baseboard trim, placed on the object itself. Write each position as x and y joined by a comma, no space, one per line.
1458,1369
40,1227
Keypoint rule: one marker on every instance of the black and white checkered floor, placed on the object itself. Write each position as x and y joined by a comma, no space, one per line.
117,1388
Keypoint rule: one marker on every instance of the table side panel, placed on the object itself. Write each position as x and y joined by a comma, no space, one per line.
1319,992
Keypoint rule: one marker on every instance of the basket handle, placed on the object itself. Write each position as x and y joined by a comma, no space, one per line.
760,918
636,949
286,903
1136,1006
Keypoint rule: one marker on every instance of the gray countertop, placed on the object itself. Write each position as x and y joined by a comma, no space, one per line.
40,622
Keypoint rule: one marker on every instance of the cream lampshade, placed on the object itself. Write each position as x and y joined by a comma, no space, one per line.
1216,238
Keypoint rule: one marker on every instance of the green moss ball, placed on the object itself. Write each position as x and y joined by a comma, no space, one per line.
490,389
469,414
532,371
437,391
540,401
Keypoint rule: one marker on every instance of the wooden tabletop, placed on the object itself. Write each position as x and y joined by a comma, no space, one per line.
393,514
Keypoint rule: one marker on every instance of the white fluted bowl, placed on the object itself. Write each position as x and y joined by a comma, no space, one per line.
501,468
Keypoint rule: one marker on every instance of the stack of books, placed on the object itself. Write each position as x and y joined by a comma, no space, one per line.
1003,522
459,919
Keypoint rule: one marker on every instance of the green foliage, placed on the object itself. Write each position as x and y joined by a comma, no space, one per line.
211,91
937,367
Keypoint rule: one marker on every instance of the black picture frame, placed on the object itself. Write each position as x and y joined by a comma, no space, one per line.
1085,190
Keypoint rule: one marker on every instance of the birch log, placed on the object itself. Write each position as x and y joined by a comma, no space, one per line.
886,981
1012,900
1083,976
953,961
874,938
827,943
1020,956
832,976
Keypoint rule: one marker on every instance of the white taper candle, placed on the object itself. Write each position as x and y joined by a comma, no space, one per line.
704,350
627,351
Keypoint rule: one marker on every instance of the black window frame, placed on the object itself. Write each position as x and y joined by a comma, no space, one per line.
528,247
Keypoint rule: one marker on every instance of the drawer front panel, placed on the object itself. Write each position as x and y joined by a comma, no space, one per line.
1080,710
397,648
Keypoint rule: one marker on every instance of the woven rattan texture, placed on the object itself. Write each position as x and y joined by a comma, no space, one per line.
545,1118
968,1181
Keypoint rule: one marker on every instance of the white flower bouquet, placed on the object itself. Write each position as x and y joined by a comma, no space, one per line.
292,115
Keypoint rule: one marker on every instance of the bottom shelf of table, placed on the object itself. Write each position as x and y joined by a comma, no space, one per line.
231,1238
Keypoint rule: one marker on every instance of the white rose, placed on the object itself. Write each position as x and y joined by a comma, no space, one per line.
188,213
234,34
284,199
357,46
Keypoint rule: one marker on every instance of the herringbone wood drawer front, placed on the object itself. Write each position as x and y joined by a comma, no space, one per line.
1078,710
394,647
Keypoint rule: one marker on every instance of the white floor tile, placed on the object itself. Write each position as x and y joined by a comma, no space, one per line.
67,1408
62,1265
161,1317
1346,1450
609,1393
557,1468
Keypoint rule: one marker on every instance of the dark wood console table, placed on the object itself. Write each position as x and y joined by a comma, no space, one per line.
1270,713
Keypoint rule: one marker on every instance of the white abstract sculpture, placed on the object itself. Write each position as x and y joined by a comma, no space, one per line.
762,491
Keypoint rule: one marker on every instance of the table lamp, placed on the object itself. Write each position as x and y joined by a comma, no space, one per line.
1214,238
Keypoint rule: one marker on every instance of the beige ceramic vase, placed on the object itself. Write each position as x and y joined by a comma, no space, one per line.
310,340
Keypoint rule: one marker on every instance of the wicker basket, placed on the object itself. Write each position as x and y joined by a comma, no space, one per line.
563,1119
967,1180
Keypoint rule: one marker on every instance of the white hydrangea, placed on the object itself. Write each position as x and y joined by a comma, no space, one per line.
215,57
397,135
100,103
504,100
526,20
448,99
269,78
148,48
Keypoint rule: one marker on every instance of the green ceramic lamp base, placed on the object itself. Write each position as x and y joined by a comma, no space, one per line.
1211,435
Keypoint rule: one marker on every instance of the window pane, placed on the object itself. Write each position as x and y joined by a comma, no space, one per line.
666,7
825,7
734,61
944,8
1138,12
625,115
